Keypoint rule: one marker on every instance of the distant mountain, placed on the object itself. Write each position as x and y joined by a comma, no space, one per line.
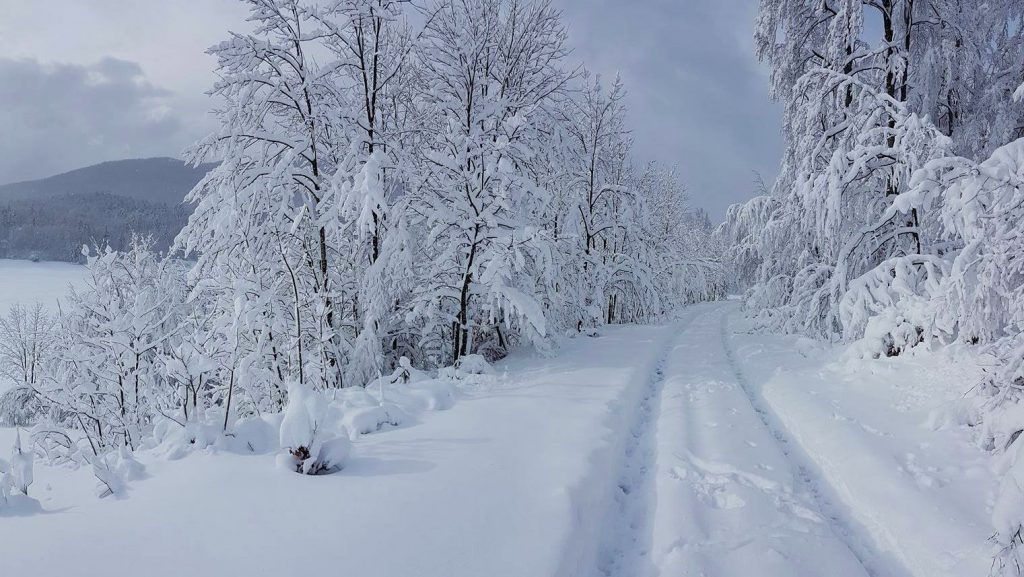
101,205
160,180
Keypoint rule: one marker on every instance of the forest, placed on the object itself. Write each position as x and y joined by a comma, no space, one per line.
411,197
55,228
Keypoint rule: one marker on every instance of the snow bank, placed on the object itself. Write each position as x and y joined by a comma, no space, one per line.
920,496
595,499
313,441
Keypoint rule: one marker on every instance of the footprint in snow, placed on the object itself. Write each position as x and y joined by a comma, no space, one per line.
712,490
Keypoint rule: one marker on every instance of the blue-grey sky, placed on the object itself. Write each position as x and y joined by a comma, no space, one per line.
112,79
698,98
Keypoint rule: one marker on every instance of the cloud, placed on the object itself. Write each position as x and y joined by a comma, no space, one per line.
698,98
58,116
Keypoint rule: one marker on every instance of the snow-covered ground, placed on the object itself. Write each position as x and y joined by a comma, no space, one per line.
511,481
729,497
27,282
884,443
687,449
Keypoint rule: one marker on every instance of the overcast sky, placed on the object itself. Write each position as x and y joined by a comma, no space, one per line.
113,79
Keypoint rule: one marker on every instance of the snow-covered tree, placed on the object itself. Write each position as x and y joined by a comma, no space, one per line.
681,253
393,195
599,171
26,343
27,350
259,228
895,221
862,114
113,330
375,86
491,69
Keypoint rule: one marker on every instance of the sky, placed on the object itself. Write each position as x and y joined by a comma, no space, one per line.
113,79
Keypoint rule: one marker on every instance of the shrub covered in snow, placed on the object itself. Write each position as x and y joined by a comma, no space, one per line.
113,470
466,367
20,468
6,485
312,436
405,373
19,407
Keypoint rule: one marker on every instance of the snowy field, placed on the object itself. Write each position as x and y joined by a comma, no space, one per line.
690,449
30,282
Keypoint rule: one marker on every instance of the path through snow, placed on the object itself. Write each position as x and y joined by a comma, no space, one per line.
724,496
626,539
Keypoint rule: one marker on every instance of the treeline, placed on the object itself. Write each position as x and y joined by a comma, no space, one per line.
392,196
55,228
898,217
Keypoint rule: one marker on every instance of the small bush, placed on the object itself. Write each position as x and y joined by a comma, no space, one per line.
20,407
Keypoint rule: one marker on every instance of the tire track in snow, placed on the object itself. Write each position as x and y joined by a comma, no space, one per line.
625,546
843,528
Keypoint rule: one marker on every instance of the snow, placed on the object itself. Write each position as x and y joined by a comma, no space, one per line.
357,229
21,466
691,448
510,481
26,282
883,437
310,433
743,502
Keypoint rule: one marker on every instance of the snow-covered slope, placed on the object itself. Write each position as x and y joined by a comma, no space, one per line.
160,180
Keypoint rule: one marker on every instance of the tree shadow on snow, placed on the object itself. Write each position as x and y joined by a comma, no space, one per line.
24,506
377,467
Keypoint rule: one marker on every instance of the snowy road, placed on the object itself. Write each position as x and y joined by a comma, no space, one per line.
706,489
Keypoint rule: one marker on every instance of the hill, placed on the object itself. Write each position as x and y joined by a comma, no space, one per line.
100,205
161,180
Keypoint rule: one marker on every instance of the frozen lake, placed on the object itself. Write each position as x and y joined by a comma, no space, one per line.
29,282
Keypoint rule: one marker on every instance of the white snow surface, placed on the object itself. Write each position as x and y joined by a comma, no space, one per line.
27,282
687,449
886,444
510,481
729,497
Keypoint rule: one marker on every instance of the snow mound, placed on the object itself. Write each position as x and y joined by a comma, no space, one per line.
251,435
312,435
21,466
113,470
467,367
